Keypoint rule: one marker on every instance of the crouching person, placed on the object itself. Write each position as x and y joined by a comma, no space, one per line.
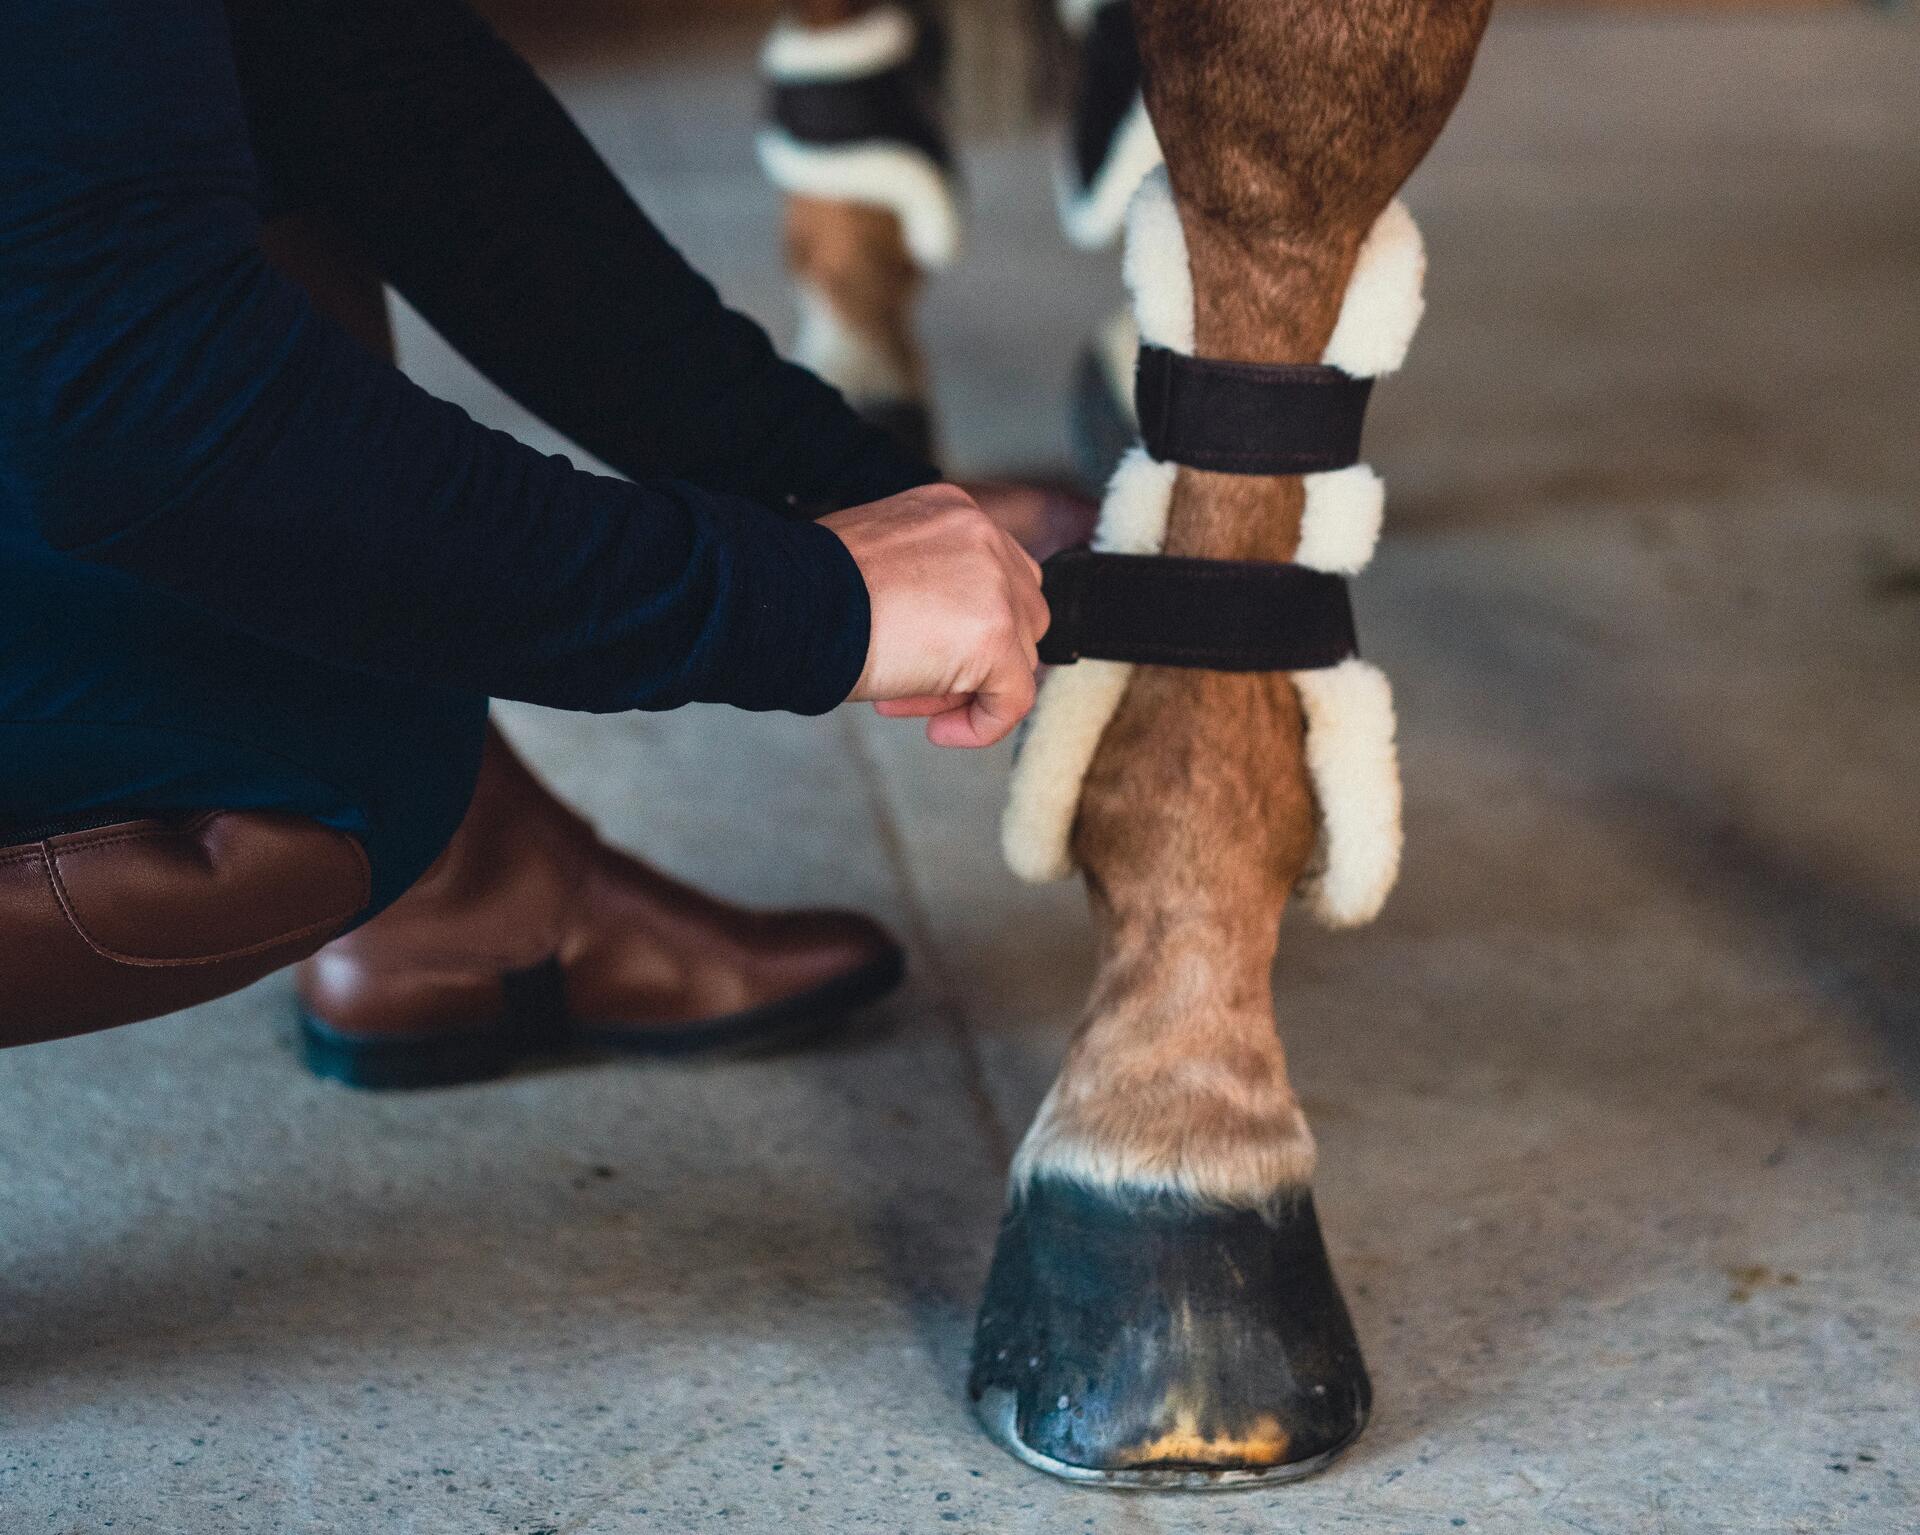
256,588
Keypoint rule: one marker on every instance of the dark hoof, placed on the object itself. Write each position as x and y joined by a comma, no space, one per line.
1148,1342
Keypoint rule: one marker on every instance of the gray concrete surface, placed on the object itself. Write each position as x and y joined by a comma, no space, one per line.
1617,1103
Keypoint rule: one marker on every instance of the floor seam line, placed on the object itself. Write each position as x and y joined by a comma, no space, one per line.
920,936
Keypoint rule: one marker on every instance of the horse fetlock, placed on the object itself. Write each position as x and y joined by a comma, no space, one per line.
861,341
1199,1126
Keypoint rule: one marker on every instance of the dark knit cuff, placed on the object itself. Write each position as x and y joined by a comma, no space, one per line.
794,618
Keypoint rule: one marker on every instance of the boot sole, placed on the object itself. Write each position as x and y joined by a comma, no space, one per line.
538,1027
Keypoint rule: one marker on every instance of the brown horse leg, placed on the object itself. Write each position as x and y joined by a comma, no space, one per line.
857,286
865,218
1161,1311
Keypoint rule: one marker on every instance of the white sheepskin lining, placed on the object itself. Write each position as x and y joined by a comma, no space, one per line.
1076,701
1091,216
897,177
879,40
906,181
1350,752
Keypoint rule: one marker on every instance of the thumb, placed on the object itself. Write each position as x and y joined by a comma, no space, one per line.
990,715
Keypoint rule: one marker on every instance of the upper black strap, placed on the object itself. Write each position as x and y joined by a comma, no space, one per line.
895,106
1246,417
1218,615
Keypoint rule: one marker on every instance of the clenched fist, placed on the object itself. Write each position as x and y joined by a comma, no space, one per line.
957,613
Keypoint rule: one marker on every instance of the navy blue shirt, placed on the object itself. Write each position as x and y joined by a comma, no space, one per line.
173,407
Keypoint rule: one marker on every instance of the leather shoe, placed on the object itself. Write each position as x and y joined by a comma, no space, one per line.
529,936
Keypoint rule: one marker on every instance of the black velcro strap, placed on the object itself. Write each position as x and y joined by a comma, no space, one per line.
1247,417
893,107
1217,615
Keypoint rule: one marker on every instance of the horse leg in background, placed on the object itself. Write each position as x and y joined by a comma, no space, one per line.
1110,146
855,142
1160,1310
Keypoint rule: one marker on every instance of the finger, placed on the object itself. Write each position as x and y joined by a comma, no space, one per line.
1039,614
920,706
952,729
990,715
1022,558
1071,520
1032,616
985,721
1030,588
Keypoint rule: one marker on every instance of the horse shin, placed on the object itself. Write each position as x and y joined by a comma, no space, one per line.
1160,1310
856,286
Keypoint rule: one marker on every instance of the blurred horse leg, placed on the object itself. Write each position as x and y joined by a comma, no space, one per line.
855,142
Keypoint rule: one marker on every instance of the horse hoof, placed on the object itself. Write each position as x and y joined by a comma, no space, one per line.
1146,1341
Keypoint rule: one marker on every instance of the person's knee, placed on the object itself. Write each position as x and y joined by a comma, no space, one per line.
143,917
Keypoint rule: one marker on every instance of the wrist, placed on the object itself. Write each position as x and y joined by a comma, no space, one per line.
797,618
859,688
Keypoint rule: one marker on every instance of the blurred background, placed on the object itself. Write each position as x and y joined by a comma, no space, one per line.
1616,1103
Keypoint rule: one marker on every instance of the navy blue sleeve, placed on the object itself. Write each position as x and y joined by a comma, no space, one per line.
429,141
171,406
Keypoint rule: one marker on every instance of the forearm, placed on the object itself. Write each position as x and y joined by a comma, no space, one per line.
391,533
446,159
171,406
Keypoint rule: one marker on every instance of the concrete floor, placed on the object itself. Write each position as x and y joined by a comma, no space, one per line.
1617,1103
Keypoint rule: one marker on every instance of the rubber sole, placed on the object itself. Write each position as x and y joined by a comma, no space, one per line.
538,1027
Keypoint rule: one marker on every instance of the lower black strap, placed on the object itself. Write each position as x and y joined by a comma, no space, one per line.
1217,615
1248,418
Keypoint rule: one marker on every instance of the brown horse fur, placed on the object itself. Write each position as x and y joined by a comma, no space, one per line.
1287,127
850,257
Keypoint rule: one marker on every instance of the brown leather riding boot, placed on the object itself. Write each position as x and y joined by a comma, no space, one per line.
529,936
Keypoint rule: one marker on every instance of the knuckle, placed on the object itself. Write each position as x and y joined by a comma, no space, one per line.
964,522
993,629
1037,616
998,631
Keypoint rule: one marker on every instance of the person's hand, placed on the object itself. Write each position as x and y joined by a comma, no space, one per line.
957,613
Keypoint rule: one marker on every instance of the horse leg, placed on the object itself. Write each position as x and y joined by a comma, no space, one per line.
855,144
1160,1310
1110,146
